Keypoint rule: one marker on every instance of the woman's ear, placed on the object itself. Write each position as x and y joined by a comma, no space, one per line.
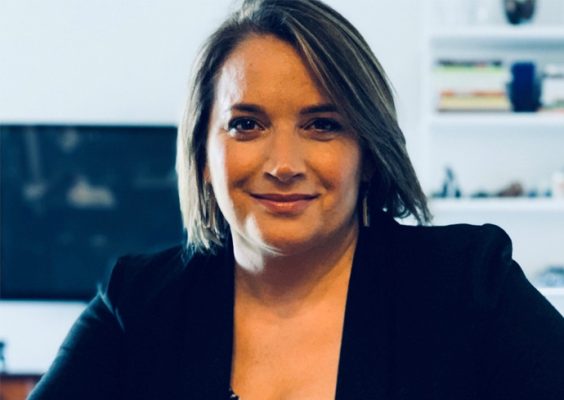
368,170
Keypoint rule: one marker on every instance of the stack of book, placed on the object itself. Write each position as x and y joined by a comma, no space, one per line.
553,88
472,85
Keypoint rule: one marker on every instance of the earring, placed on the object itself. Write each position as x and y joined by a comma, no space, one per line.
209,207
365,210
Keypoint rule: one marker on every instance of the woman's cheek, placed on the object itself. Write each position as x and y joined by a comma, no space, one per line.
336,164
216,164
242,160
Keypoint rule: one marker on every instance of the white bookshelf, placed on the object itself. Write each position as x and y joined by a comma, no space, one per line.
506,35
552,291
509,121
488,151
497,205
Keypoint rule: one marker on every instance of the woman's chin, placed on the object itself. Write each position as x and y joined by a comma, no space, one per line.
290,237
277,241
291,243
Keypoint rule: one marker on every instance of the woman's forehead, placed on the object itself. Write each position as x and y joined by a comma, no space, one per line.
265,67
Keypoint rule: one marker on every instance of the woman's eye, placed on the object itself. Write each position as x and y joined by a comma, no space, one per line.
243,125
326,125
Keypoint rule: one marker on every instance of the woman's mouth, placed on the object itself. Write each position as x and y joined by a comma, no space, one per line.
285,203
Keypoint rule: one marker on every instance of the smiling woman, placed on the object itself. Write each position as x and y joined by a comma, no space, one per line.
296,282
346,75
284,169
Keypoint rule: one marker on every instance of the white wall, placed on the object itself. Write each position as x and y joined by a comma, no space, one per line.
127,62
102,61
33,332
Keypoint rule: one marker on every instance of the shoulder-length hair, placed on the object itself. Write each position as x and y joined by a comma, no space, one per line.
343,66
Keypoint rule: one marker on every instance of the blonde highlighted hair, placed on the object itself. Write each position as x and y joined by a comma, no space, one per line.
344,67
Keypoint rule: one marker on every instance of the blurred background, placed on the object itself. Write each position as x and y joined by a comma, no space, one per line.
91,93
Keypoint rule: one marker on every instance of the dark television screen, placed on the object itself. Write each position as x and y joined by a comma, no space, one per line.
75,198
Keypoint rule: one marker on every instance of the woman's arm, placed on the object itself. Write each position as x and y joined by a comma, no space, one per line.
90,361
524,345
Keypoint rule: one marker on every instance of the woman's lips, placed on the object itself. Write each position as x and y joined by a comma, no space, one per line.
291,203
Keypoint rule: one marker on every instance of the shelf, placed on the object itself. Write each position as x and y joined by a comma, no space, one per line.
516,205
500,34
552,291
490,149
548,120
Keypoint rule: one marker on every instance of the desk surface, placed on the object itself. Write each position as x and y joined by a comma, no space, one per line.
16,386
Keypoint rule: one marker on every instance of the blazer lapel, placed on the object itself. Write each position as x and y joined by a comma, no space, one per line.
365,365
209,329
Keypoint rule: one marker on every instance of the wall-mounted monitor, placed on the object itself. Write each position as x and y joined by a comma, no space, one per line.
75,198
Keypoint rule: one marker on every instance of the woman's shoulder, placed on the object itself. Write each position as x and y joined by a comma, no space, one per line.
469,262
142,282
456,244
137,268
456,236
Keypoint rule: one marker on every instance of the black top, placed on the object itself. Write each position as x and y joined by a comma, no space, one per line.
432,313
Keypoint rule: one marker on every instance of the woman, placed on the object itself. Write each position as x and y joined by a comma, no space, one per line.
297,283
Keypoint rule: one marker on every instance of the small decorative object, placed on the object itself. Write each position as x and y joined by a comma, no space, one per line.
524,89
450,187
514,189
519,11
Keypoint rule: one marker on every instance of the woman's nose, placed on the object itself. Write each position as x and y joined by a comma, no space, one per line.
285,161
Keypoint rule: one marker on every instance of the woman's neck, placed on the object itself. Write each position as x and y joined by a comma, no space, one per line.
291,281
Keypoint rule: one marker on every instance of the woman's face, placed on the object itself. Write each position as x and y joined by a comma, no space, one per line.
284,168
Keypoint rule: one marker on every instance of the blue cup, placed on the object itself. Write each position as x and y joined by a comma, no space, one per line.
524,89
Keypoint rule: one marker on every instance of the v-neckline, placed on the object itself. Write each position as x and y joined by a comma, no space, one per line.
364,364
364,356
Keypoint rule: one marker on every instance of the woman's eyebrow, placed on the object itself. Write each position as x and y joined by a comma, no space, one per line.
248,107
256,109
320,108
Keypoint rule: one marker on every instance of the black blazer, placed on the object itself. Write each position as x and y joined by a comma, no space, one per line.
432,313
